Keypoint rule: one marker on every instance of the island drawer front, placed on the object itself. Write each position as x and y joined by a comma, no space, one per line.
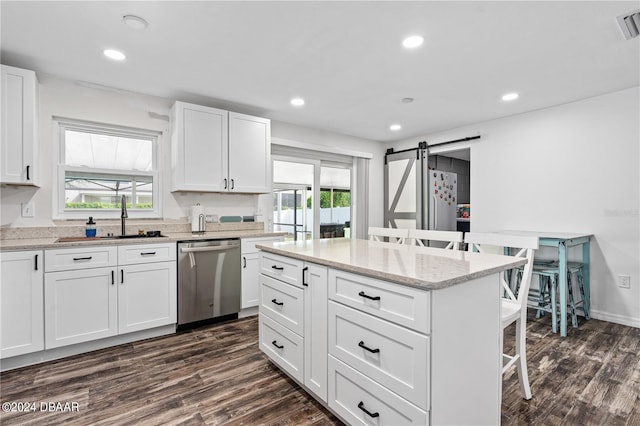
146,253
282,302
282,268
349,390
282,346
248,245
80,258
391,355
399,304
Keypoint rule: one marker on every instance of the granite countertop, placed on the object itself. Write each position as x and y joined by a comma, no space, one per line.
50,242
421,267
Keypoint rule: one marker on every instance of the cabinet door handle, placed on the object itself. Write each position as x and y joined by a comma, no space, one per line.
150,253
244,262
225,183
275,343
277,268
113,278
305,269
36,262
363,294
363,346
233,183
274,301
121,276
28,167
77,259
361,406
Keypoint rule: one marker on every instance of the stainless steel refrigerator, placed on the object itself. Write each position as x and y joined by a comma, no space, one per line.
416,197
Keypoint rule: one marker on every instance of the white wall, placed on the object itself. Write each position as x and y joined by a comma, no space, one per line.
63,98
570,168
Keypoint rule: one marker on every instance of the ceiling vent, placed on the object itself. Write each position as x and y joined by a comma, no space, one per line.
630,24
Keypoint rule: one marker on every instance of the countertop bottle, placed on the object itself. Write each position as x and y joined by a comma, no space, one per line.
90,231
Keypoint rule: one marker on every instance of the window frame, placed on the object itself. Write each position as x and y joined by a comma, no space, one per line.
60,168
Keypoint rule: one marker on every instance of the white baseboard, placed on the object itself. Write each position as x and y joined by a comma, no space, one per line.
618,319
79,348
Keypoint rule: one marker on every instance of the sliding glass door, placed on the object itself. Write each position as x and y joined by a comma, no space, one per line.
311,198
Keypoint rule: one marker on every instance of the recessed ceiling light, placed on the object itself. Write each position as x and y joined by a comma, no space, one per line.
406,100
116,55
395,127
135,22
297,101
510,97
413,42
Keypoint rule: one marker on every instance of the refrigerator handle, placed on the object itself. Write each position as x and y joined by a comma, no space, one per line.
435,212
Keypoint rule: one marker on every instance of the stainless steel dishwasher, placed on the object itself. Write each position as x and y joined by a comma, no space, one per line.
208,281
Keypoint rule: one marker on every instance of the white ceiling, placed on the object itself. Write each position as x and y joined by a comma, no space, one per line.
344,58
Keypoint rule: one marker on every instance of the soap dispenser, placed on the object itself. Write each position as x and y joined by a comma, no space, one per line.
90,231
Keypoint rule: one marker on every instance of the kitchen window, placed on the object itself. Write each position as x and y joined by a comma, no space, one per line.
99,163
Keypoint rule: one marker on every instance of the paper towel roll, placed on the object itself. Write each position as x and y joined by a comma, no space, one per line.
197,218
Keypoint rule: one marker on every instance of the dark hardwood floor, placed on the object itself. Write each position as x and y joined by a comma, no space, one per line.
217,375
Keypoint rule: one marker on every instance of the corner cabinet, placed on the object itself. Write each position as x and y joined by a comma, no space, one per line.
18,146
219,151
21,300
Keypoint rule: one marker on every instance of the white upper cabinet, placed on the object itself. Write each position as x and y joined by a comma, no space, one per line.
199,148
219,151
19,126
249,153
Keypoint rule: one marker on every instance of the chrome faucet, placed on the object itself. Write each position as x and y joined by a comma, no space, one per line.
123,213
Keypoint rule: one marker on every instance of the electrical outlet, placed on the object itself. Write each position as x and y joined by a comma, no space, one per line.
624,281
28,210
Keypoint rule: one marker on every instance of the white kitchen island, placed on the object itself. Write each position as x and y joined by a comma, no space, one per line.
386,334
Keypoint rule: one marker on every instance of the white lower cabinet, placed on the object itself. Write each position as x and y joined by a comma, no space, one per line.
21,303
293,320
147,296
80,305
283,346
251,270
136,291
362,401
315,329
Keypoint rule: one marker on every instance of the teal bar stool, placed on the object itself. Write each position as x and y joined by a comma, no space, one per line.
544,298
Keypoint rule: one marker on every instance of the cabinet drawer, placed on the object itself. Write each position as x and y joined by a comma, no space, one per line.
146,253
391,355
400,304
282,268
248,245
351,393
282,302
282,346
80,258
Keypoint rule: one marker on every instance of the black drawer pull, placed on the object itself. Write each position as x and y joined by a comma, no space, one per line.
361,406
363,294
151,253
121,276
276,302
277,268
274,343
36,262
112,277
244,260
373,351
305,269
82,258
28,167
